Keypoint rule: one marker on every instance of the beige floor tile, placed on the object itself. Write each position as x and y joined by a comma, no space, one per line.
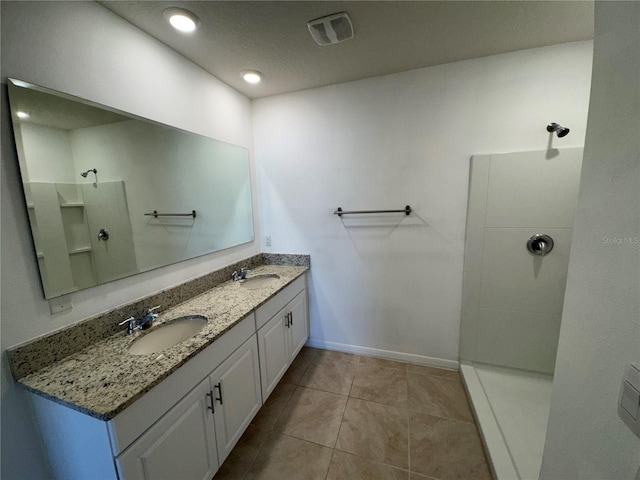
374,436
383,362
438,372
313,415
283,457
268,415
313,350
296,371
330,375
379,384
237,464
446,449
438,396
375,431
335,355
345,466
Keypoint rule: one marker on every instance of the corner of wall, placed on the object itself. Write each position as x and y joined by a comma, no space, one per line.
601,318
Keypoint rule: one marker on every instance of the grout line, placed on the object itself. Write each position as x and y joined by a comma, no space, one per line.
324,391
376,462
351,386
295,387
441,417
380,403
335,445
252,461
313,356
436,376
278,432
408,434
333,450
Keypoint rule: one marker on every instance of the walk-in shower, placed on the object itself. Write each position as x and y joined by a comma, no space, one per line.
519,226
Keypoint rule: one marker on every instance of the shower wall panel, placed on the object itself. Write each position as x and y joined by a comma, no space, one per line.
512,300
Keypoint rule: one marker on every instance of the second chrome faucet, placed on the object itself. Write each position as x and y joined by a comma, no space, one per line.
235,276
134,324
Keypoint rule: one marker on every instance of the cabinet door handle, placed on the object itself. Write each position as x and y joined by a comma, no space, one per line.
210,406
290,318
219,387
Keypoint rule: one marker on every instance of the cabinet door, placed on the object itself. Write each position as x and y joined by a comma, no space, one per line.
274,354
236,390
180,445
299,324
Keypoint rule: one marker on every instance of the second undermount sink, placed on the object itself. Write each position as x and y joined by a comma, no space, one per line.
168,335
259,281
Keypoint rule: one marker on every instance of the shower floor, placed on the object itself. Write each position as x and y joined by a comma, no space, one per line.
512,407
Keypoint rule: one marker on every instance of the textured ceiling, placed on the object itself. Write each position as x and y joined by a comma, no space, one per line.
390,36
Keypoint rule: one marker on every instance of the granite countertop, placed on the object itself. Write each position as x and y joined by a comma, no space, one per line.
104,379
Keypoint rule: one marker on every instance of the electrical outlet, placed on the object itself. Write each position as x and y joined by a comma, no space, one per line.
60,304
267,241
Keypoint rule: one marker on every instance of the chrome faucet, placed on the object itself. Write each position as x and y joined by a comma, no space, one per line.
148,318
134,324
235,276
131,324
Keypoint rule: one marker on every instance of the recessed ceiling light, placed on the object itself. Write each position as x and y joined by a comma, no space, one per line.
181,19
252,76
22,115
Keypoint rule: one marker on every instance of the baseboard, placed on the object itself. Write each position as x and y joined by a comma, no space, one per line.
388,354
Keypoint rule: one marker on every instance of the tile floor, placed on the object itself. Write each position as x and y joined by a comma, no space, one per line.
336,416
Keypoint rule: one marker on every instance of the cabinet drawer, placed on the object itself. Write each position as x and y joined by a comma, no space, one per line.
277,303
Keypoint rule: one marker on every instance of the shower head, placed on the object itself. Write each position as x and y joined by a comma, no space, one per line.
559,129
84,174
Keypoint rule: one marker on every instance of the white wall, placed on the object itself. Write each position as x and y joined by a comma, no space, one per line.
600,330
390,141
47,153
83,49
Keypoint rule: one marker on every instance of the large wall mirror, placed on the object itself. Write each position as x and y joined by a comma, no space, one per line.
110,194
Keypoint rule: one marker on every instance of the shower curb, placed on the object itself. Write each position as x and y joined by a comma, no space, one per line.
500,460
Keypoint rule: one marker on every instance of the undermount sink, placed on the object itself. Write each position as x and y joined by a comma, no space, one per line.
259,281
168,335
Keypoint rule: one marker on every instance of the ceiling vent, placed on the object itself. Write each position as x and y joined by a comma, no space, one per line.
331,29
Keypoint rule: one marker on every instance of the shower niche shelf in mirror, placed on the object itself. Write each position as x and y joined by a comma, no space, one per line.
134,166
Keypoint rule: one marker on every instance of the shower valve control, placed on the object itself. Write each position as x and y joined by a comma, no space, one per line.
540,244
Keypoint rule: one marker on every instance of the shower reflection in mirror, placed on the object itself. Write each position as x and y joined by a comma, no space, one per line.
62,143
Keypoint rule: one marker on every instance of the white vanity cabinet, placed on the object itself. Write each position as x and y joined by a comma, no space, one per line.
181,444
283,325
191,440
185,426
298,324
236,396
274,355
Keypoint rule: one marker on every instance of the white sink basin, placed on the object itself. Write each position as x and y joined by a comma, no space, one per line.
168,335
259,281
